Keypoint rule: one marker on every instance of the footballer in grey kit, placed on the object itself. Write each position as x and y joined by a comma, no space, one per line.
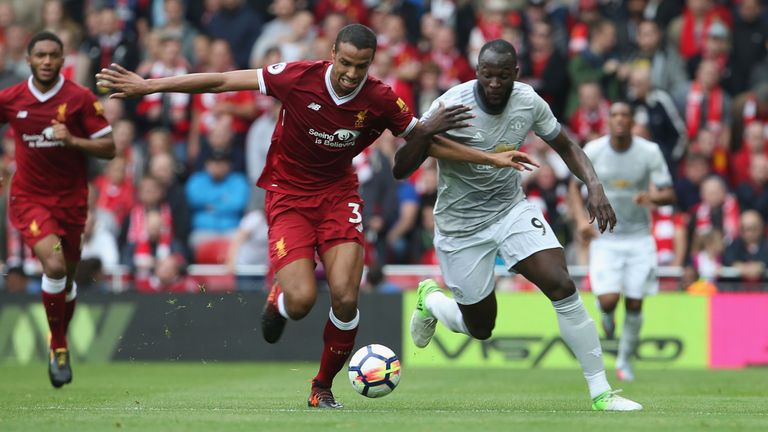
472,196
635,176
481,213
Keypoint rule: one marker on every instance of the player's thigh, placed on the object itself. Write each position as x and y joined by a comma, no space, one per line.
640,278
40,231
341,220
467,264
522,233
606,266
292,233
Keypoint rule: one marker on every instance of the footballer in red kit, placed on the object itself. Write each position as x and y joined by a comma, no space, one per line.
320,132
331,111
56,122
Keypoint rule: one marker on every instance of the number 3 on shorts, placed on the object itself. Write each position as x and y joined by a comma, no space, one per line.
357,218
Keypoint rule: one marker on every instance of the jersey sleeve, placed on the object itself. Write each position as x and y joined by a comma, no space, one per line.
3,104
94,122
397,116
278,79
660,175
545,124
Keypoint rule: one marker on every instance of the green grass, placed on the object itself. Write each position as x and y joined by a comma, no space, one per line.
263,397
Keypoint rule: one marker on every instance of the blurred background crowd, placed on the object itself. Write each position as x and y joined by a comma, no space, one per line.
181,189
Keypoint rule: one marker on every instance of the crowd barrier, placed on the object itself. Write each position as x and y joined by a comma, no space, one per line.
681,331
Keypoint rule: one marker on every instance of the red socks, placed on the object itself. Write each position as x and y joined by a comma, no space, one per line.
56,311
69,310
55,303
338,342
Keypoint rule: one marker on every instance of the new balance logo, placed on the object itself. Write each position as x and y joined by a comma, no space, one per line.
21,114
314,106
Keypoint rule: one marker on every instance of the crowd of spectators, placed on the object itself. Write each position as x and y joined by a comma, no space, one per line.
181,189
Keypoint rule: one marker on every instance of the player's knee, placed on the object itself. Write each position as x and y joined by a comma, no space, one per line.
481,331
299,306
633,305
54,268
345,306
562,287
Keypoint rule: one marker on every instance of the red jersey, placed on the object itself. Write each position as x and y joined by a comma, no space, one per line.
318,133
55,174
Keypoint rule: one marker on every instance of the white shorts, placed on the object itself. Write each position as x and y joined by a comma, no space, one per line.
623,265
468,263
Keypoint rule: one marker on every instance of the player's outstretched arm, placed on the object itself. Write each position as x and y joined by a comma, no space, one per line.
127,84
448,149
598,205
412,154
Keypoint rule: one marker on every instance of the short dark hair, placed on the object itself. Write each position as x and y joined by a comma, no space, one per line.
358,35
499,46
43,36
627,104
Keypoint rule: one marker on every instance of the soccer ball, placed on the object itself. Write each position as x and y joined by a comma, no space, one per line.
374,371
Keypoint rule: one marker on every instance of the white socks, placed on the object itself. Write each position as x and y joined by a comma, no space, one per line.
281,306
630,336
578,331
72,294
446,311
341,325
53,286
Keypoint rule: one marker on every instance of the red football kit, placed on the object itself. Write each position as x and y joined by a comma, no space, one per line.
312,200
49,191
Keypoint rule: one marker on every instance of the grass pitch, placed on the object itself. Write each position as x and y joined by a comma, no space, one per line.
272,397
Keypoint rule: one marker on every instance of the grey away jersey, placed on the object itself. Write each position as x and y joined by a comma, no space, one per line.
471,197
625,174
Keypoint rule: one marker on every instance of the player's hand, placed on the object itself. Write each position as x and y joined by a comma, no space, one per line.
445,119
586,232
513,159
599,208
643,199
123,82
60,132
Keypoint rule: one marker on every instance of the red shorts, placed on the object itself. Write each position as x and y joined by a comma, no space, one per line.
299,225
35,221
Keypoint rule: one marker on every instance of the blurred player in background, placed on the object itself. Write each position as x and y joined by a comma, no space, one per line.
56,123
624,261
331,112
481,213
